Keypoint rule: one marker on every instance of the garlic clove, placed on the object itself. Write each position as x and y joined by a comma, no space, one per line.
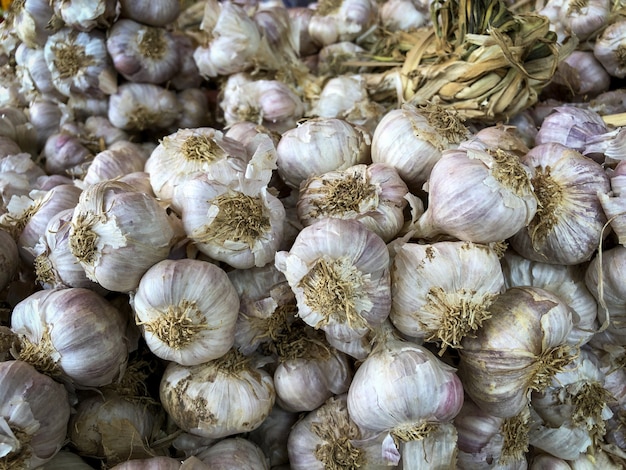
186,310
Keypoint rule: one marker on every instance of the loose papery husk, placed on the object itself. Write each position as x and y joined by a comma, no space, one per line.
477,58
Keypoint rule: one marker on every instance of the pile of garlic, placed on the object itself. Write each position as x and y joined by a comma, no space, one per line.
277,268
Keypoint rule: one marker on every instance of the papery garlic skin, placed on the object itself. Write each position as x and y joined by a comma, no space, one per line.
339,144
442,291
29,20
570,126
609,49
142,53
328,438
584,19
79,63
152,463
403,391
412,139
18,175
142,106
190,151
218,398
235,219
117,234
34,412
404,15
567,282
477,194
613,202
375,195
234,40
517,350
186,310
569,222
341,21
72,334
156,13
339,272
66,153
87,15
119,159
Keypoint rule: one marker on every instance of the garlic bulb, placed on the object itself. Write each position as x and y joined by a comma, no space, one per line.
436,450
603,278
54,263
328,438
66,153
299,19
339,272
114,427
270,103
517,350
569,221
186,310
18,175
331,58
613,202
491,442
117,234
32,64
14,124
191,151
197,109
567,282
318,146
219,398
234,453
30,19
375,195
581,74
9,259
79,63
442,292
404,15
155,13
120,158
46,116
570,126
143,106
405,392
477,194
232,43
341,21
412,139
584,19
72,334
608,49
8,147
34,412
142,53
86,15
309,371
152,463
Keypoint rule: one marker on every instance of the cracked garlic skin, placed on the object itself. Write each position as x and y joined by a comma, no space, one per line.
71,334
34,413
117,234
186,310
569,221
441,292
517,350
218,398
339,272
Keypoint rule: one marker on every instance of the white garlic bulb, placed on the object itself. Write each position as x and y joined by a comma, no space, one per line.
114,427
30,20
582,74
79,63
328,438
14,123
609,46
374,194
86,15
517,350
584,19
405,392
142,53
478,194
119,159
197,109
234,453
219,398
34,413
569,221
320,145
18,175
333,22
309,371
118,233
412,139
186,152
442,291
66,153
142,106
233,40
567,282
339,272
186,310
404,15
72,334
